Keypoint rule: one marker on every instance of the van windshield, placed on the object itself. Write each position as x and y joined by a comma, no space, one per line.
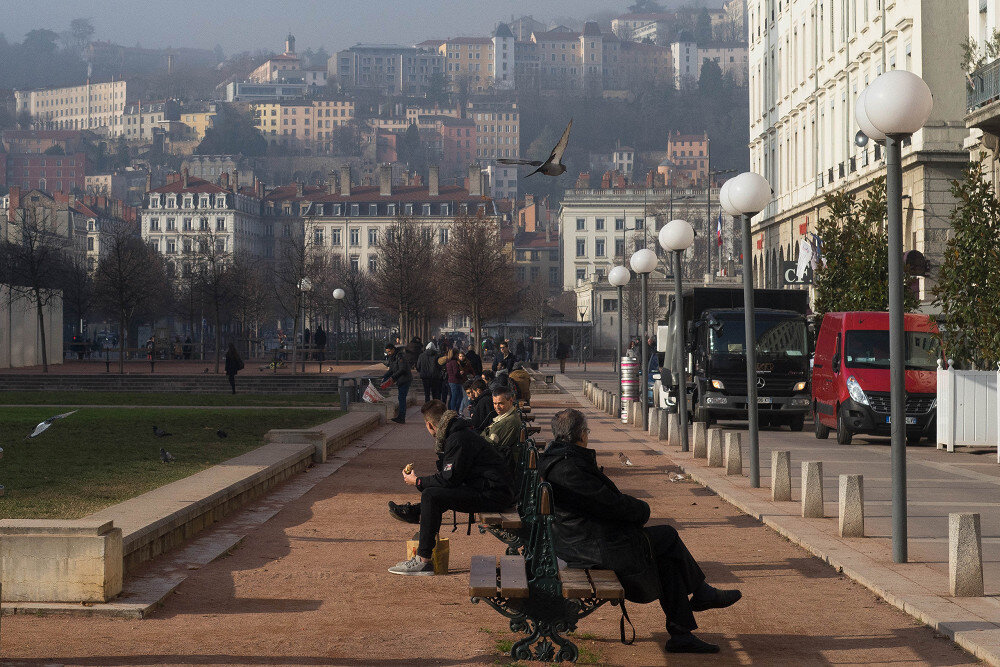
777,337
870,349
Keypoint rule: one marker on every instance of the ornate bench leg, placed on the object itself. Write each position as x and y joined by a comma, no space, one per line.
545,642
514,542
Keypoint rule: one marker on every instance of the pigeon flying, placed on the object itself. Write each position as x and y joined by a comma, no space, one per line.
166,456
221,433
42,427
626,461
159,432
553,166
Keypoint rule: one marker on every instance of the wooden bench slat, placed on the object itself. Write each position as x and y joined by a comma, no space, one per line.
491,518
606,584
513,577
575,583
510,521
483,576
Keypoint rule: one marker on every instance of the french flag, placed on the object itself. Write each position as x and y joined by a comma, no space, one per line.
718,230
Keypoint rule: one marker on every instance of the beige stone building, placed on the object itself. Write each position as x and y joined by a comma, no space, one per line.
982,102
92,106
809,61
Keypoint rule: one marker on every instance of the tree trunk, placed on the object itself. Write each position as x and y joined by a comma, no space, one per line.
218,338
475,325
295,333
41,330
121,343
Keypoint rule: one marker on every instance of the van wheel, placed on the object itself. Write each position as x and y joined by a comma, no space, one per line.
701,414
797,423
822,431
844,435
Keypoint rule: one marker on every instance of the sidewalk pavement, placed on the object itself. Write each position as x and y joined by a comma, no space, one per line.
938,483
309,586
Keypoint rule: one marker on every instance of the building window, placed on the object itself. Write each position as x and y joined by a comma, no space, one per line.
220,224
203,224
317,237
372,237
187,245
355,209
581,274
662,300
599,224
640,223
619,247
599,248
581,247
171,246
334,237
610,305
443,236
426,209
154,224
373,210
171,224
355,237
619,224
390,209
355,263
553,275
581,224
371,264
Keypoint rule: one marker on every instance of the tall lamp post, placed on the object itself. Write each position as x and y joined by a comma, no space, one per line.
339,295
304,286
894,106
643,262
746,195
619,277
675,237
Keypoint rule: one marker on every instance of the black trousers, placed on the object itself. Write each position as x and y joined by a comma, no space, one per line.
232,381
432,388
679,576
437,500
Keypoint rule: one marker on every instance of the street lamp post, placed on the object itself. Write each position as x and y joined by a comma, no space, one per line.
677,236
304,286
619,277
643,262
892,108
339,295
583,355
746,196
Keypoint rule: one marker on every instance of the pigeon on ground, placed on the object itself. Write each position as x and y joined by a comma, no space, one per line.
551,167
205,371
166,456
159,432
43,426
624,459
221,433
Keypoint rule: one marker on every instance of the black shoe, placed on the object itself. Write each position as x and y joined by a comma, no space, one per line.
398,420
688,643
407,512
712,598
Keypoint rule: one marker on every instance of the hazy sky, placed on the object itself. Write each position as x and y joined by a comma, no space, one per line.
241,25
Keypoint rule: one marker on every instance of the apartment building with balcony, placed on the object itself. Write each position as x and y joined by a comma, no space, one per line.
982,102
809,60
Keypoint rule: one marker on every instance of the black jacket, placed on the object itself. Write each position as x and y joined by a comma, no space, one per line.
595,524
468,460
233,365
399,368
475,360
427,365
506,363
482,412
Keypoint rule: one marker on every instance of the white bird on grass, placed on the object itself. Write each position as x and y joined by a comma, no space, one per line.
43,426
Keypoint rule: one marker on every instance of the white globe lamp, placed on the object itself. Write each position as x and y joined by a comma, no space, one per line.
749,193
619,276
898,102
643,261
676,235
861,115
724,199
338,294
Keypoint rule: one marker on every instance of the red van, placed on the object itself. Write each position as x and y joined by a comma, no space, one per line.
850,377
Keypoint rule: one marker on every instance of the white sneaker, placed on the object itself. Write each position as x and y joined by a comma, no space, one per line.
414,566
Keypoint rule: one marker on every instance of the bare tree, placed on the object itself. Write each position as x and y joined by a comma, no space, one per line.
130,282
357,286
475,260
299,263
404,281
251,292
34,260
78,289
213,279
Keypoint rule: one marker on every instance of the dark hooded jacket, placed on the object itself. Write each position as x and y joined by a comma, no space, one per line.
482,412
466,459
595,524
399,368
427,365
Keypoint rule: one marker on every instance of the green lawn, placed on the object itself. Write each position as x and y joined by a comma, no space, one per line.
162,398
102,456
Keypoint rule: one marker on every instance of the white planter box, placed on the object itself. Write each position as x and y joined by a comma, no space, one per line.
968,409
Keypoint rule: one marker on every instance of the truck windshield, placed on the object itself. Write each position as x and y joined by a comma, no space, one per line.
870,349
777,338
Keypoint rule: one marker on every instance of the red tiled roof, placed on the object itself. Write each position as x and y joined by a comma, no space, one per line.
83,209
196,185
368,193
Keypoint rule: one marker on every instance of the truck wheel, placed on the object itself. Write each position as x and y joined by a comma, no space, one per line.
797,423
843,433
822,431
700,414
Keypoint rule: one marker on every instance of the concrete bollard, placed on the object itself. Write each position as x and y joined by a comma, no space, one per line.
714,448
586,388
734,453
700,440
612,402
599,403
852,506
673,432
781,475
663,426
654,421
618,407
812,489
965,555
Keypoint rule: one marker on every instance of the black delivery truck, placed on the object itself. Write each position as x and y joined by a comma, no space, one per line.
715,354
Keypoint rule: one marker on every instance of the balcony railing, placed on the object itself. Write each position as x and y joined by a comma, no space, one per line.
984,86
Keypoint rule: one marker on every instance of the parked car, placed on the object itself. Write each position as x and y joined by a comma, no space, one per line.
850,377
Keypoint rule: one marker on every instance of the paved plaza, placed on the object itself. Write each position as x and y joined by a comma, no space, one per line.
309,585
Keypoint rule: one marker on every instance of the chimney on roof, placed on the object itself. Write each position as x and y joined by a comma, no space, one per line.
331,185
475,181
298,188
433,176
260,189
236,181
345,180
224,180
184,177
15,201
649,178
385,180
149,181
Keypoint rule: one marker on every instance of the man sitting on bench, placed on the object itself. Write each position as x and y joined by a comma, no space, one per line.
481,402
596,525
504,432
472,477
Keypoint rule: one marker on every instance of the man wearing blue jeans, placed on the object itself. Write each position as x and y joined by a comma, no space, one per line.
399,372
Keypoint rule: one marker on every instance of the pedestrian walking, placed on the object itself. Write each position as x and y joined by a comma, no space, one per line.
187,347
430,372
399,372
320,340
475,360
454,376
234,364
562,351
305,344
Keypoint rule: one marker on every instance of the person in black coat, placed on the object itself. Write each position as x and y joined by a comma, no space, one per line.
596,525
319,338
481,400
505,360
472,477
399,372
474,359
234,364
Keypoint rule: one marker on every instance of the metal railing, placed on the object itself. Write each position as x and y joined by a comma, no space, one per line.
984,86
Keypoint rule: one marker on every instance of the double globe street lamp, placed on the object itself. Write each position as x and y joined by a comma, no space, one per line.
894,106
339,295
643,262
675,237
746,195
